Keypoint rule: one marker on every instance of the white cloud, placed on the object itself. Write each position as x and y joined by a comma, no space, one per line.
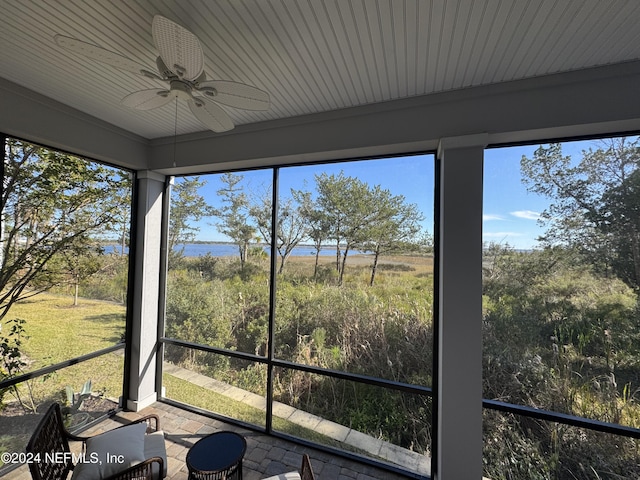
526,214
488,217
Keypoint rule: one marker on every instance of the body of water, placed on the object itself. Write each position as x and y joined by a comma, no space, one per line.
229,250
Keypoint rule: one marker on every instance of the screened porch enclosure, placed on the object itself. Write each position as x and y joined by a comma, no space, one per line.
320,327
384,360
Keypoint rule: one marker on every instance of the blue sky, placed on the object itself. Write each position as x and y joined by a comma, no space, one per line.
510,212
411,176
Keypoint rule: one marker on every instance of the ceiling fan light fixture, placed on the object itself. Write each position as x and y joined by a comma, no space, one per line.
181,90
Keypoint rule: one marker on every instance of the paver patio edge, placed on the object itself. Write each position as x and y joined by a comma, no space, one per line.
379,448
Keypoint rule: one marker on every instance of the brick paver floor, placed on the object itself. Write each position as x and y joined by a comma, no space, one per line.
265,455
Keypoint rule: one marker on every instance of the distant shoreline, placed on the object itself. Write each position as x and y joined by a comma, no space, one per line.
227,249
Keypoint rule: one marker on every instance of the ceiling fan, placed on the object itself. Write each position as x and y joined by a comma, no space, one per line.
181,65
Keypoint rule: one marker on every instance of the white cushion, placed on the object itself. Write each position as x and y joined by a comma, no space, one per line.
154,447
125,443
285,476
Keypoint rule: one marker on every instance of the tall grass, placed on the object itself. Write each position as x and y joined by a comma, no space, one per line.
384,331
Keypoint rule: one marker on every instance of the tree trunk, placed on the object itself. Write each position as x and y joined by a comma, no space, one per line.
123,243
344,263
315,267
2,238
375,266
77,288
635,249
243,255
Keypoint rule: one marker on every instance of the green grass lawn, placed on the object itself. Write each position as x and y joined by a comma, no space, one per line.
55,331
186,392
58,331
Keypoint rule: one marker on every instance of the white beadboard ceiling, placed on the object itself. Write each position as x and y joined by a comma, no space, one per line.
310,55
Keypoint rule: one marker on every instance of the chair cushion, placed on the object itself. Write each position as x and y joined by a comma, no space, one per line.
285,476
154,447
124,443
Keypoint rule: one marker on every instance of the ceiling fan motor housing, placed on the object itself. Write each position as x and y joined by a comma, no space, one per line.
181,90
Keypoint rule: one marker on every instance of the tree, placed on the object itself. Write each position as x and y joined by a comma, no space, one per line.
187,206
394,227
350,208
291,228
52,205
234,215
595,208
81,262
620,223
317,223
122,215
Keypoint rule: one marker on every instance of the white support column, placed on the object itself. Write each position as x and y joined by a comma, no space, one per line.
142,367
459,398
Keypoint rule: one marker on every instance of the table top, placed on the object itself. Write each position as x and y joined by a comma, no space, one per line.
217,451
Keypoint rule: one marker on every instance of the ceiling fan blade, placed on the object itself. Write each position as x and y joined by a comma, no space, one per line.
210,114
179,49
237,95
98,53
147,99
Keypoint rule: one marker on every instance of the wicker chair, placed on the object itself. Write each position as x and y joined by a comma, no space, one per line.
305,473
49,447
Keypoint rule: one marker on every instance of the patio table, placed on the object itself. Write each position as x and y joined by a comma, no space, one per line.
217,457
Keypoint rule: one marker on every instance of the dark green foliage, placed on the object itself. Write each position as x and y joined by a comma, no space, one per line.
292,223
357,216
207,266
12,361
398,418
594,207
508,453
382,331
558,336
561,325
395,267
110,281
233,216
187,207
520,448
54,207
10,351
197,311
